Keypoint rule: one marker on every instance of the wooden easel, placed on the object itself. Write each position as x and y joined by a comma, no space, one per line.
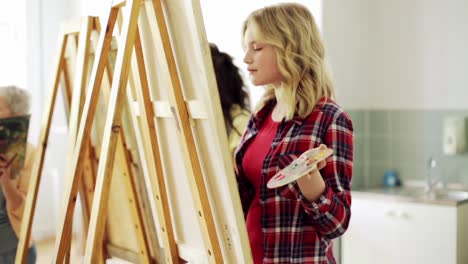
221,240
80,151
182,112
68,33
74,105
111,136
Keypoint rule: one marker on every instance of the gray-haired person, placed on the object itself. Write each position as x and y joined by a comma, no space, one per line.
14,101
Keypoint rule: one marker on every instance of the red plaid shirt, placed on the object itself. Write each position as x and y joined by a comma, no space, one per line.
296,230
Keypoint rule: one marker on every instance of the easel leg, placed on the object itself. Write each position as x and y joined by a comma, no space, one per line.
154,158
111,132
31,198
71,189
191,160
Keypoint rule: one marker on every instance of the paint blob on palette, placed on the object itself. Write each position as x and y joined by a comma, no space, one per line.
306,162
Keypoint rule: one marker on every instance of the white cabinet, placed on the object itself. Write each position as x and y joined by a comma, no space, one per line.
396,232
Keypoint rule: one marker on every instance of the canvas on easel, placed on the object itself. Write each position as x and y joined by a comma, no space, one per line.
189,116
13,141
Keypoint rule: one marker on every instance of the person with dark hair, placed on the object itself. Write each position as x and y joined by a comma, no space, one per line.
14,101
234,97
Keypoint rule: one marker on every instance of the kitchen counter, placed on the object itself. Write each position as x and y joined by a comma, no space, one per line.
453,195
407,225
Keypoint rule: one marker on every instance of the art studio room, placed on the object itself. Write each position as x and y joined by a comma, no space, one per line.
216,131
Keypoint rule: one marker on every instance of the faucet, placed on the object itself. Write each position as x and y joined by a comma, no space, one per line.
430,182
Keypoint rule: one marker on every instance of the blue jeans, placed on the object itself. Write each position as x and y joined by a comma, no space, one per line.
8,257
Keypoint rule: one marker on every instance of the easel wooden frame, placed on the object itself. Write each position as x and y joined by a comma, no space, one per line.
71,189
84,136
177,108
73,106
181,111
144,253
125,157
112,129
68,32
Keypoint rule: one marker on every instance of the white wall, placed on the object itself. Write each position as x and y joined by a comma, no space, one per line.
346,37
12,43
43,19
398,54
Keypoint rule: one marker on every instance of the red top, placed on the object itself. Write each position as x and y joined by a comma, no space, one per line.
252,165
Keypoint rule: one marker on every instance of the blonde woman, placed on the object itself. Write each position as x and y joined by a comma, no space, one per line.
13,101
297,222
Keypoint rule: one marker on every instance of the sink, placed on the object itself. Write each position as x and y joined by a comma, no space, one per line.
452,195
400,191
419,193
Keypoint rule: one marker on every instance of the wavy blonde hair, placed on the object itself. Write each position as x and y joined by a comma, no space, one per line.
292,30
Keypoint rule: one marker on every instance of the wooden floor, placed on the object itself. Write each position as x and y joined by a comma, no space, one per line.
46,251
